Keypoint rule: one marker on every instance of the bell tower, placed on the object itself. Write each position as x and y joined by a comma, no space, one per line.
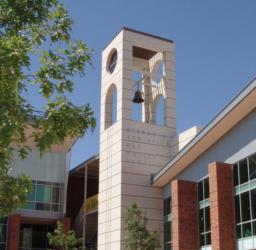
138,71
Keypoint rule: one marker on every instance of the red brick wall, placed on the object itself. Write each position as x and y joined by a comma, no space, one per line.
185,233
66,224
222,206
13,233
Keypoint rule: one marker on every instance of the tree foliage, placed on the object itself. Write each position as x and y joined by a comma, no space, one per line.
139,237
36,48
64,240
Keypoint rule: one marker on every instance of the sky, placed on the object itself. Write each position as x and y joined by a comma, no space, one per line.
215,52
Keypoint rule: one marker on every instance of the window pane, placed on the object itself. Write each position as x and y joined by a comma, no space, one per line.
167,206
43,193
200,191
31,195
201,220
42,206
168,246
3,220
2,246
237,209
206,188
235,174
207,219
252,167
55,207
208,239
254,227
243,171
247,231
29,205
202,240
167,232
39,228
238,232
25,237
2,233
39,240
253,203
245,206
55,195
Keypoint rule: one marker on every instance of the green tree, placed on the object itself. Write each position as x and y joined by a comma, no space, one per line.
64,240
36,48
139,237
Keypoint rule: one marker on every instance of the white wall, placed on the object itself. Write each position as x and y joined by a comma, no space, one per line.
50,167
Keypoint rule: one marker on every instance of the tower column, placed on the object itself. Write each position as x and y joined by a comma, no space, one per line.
132,150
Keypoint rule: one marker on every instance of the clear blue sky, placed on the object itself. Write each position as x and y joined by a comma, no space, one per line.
215,52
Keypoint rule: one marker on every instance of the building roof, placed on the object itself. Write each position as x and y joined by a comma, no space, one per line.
224,121
84,164
91,166
142,33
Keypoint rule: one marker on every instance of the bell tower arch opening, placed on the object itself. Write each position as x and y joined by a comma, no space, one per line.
111,106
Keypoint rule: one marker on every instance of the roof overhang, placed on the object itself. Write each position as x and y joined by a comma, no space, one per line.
243,104
57,148
92,166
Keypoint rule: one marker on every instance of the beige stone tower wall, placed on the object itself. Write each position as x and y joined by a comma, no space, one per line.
130,151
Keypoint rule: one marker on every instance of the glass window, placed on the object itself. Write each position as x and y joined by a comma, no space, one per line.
252,167
245,206
237,209
235,175
253,203
206,188
238,231
203,189
247,230
254,227
200,191
201,220
34,237
55,195
207,219
42,206
243,171
25,236
43,193
31,195
39,240
208,240
167,224
3,231
45,196
204,213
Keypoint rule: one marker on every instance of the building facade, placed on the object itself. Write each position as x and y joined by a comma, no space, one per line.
197,188
27,228
210,182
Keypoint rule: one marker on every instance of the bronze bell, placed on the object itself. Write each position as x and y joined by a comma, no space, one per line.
138,97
